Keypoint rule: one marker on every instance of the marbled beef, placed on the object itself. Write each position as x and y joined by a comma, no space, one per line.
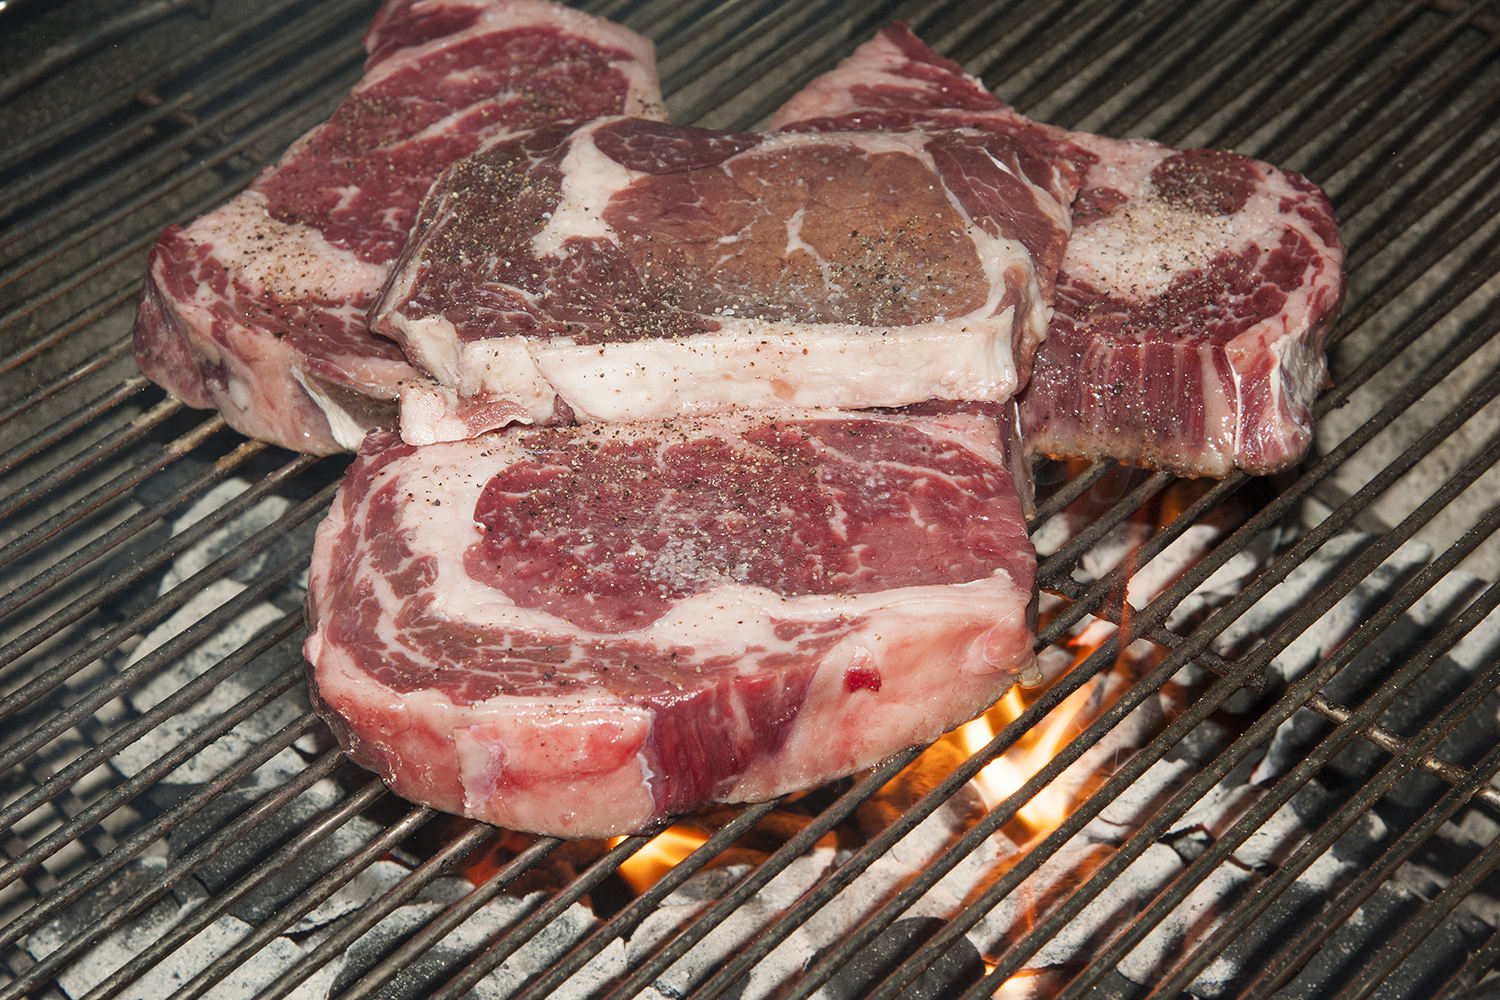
583,630
636,270
258,308
1194,296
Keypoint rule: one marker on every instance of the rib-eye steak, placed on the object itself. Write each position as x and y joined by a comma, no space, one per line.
581,630
258,308
1194,296
636,270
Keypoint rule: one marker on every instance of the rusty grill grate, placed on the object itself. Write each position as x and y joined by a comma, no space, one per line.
1318,654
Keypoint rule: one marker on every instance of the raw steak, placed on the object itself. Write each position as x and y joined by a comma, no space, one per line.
583,630
636,270
1194,296
258,308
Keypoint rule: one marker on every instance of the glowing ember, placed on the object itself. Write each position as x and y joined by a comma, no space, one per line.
660,855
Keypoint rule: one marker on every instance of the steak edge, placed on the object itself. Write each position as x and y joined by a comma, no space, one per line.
636,270
258,308
1194,296
580,631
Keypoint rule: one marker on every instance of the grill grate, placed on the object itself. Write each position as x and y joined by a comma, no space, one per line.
176,820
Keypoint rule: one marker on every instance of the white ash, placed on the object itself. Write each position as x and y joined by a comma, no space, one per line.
1142,797
1117,746
223,642
1439,605
872,888
219,871
725,940
1229,580
1302,586
95,965
371,883
217,543
1185,552
1119,546
485,925
1055,532
1148,582
270,961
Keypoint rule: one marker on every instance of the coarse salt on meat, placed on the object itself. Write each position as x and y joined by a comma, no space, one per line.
580,631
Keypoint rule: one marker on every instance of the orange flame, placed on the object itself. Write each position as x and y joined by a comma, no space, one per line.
660,855
1008,772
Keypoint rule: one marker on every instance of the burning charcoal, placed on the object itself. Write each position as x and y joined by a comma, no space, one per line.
1303,584
559,868
370,884
1274,840
224,867
284,656
545,948
1119,546
1190,843
914,781
1111,911
958,968
1136,803
1228,581
784,963
1361,937
1014,916
1431,693
252,732
1044,984
221,541
765,838
489,923
84,973
1196,916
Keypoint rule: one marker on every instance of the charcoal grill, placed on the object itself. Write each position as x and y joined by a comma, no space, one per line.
1318,653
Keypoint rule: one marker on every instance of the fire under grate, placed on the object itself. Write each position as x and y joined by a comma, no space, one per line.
1262,758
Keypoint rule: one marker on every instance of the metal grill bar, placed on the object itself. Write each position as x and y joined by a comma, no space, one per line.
1297,952
430,935
79,418
175,598
1285,788
1272,60
752,883
58,335
96,113
308,102
63,55
1180,727
51,482
223,901
130,848
1370,793
1302,75
1483,961
180,543
1370,977
1159,824
86,762
451,852
544,915
640,908
228,80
